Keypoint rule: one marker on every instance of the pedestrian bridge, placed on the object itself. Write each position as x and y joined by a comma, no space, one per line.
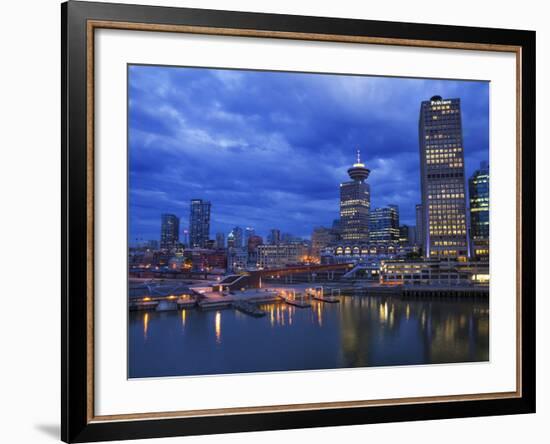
253,278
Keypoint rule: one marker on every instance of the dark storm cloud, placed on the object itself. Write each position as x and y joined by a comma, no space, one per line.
269,149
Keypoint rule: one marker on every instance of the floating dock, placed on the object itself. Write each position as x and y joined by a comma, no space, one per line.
329,299
301,303
249,308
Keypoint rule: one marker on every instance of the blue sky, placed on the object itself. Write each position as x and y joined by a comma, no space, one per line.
269,149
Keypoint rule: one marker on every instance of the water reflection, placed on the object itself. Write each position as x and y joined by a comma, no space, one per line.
218,327
145,325
359,331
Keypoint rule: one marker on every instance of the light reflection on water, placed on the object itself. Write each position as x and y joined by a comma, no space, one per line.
360,331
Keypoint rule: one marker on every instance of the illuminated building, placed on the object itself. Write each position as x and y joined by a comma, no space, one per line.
346,252
237,259
355,204
199,223
169,231
280,255
442,179
321,237
206,259
434,272
479,211
384,225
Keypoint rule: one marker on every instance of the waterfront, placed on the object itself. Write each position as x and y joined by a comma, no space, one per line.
360,331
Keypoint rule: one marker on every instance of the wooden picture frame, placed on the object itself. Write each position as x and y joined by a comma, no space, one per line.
79,22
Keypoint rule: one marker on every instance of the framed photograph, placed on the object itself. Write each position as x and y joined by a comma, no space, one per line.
276,221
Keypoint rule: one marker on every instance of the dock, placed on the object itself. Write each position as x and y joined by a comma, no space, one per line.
300,303
318,293
328,299
249,308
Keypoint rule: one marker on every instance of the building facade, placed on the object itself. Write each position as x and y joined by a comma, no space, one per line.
274,236
220,241
237,259
321,237
280,255
339,253
434,272
407,235
384,225
235,238
419,226
478,186
199,223
169,231
442,179
248,233
355,204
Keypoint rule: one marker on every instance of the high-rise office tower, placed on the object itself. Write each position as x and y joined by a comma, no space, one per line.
248,233
407,235
442,179
220,241
355,204
185,238
274,236
384,225
479,211
199,223
169,231
237,235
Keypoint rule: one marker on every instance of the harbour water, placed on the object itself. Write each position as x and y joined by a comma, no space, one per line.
360,331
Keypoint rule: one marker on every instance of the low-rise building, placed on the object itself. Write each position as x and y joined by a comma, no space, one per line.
433,272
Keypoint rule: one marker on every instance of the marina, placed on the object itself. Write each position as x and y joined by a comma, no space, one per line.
205,295
359,331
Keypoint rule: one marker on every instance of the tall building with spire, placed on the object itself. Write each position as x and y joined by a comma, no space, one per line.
442,179
355,204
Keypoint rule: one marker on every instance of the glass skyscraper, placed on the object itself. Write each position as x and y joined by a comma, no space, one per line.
169,231
355,204
478,187
384,225
199,223
442,179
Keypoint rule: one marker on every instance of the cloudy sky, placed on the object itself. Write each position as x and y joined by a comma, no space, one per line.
269,149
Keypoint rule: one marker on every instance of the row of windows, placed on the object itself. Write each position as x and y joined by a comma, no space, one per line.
447,232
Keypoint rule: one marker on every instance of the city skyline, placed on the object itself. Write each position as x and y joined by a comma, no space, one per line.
255,165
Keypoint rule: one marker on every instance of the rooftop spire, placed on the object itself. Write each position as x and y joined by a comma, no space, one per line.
358,163
358,171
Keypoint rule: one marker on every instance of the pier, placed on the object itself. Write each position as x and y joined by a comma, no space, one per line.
445,292
318,293
171,296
